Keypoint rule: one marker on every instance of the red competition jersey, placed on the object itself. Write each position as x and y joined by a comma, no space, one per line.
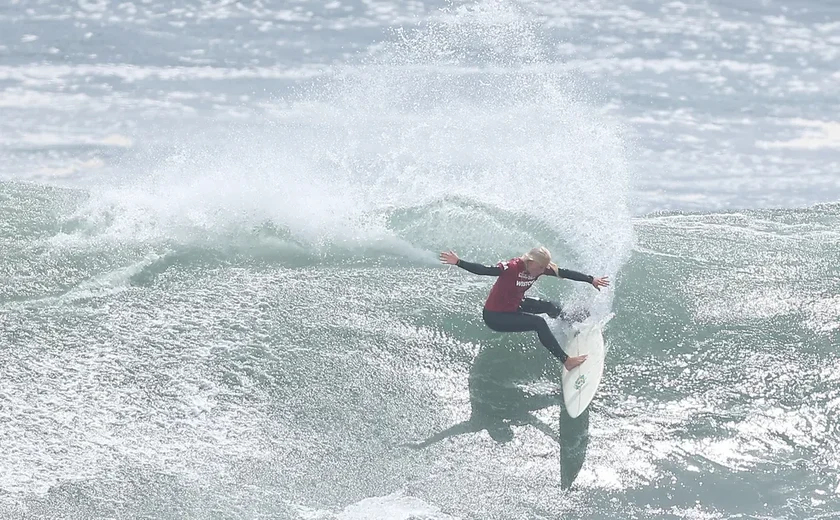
509,290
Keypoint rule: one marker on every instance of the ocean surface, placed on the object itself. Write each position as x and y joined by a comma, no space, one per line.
219,288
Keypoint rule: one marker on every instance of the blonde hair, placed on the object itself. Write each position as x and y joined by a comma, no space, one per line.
542,256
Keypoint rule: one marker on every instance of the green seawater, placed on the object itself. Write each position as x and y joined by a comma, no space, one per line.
241,371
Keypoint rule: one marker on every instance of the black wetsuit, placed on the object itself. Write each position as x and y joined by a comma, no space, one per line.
525,318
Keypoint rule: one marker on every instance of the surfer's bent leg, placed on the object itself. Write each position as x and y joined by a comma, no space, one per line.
535,306
523,322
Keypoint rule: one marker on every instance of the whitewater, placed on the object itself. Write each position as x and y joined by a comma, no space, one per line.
220,295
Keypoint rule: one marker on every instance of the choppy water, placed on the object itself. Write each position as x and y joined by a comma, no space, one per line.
219,293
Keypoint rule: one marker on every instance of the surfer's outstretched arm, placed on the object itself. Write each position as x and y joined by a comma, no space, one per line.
486,270
578,277
570,275
449,257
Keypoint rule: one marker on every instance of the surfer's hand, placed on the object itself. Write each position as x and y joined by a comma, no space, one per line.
573,362
604,281
449,257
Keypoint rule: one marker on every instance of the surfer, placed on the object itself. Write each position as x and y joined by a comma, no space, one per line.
508,310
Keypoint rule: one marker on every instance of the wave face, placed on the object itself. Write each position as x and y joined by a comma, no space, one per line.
165,372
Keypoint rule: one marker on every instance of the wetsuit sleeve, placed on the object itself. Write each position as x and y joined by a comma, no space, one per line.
571,275
485,270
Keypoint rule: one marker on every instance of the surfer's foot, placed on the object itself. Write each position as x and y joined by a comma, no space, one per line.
573,362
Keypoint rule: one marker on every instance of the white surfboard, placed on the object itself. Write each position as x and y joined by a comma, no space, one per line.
581,383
